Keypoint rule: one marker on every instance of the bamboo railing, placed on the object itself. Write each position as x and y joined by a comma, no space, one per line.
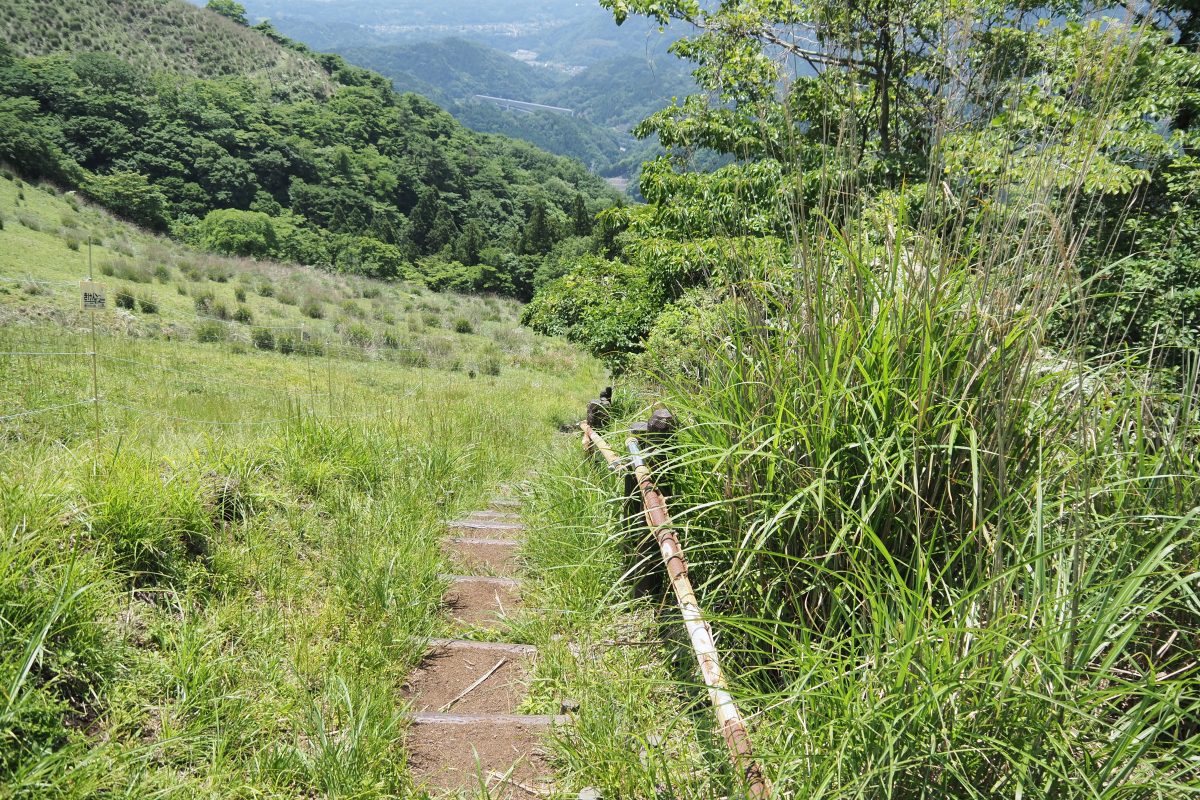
658,518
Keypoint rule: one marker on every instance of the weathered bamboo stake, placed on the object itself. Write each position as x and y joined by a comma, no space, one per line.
733,727
590,438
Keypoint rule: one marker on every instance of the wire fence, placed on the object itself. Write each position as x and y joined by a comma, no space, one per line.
44,383
310,394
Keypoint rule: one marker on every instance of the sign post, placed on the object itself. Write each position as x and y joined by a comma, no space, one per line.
94,297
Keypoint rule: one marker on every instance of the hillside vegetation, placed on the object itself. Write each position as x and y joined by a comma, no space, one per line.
931,342
162,290
364,181
214,581
159,36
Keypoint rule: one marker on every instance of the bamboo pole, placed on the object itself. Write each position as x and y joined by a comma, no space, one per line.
733,727
729,719
591,438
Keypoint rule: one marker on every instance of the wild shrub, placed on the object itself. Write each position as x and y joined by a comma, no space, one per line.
211,331
267,289
124,299
463,325
309,346
312,308
287,342
263,338
413,357
359,335
147,304
162,273
239,293
242,314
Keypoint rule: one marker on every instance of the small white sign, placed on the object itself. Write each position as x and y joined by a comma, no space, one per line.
95,296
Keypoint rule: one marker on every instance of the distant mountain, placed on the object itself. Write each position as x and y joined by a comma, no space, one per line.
452,70
566,53
573,32
609,98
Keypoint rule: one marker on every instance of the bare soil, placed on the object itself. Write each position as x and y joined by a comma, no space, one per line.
477,556
450,670
451,757
482,603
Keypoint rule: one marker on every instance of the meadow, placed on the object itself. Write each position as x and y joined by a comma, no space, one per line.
215,579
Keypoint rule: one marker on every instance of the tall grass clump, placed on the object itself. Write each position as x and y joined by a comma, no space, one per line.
951,551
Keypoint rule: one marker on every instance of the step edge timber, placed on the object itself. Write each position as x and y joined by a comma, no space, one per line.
493,647
533,720
485,525
488,579
475,540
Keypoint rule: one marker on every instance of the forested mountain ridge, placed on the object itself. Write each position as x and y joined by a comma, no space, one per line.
608,98
341,172
161,37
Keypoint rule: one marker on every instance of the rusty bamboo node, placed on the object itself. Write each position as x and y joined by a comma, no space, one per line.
658,518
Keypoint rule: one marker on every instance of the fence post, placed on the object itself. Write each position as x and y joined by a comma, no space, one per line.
95,358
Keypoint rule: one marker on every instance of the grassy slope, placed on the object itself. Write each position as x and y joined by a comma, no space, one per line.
168,36
220,594
39,271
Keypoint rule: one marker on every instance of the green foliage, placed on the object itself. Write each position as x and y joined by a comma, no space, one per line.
211,332
262,338
124,299
229,8
237,233
348,176
313,308
359,335
132,195
155,524
463,325
605,306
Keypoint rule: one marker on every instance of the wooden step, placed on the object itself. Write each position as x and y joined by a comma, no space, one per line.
504,502
499,516
474,555
482,602
484,528
470,677
454,752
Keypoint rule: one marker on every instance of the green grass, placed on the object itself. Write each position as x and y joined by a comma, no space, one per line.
639,731
946,554
193,292
221,593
